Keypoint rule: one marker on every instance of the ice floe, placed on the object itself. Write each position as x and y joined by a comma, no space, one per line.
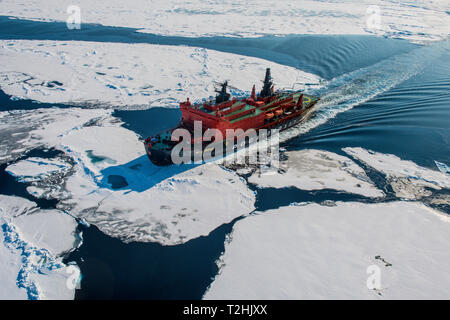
37,169
122,75
317,169
396,250
442,167
169,205
419,20
22,130
407,179
49,186
31,243
176,209
49,229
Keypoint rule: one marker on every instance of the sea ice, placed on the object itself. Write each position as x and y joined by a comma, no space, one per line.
317,169
396,250
169,205
31,243
22,130
442,167
418,21
408,180
36,169
133,76
158,206
49,229
45,176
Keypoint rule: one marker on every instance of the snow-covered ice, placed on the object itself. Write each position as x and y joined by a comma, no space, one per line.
10,262
44,176
311,169
408,180
169,205
300,251
36,169
442,167
174,210
31,243
22,130
321,252
49,229
133,76
414,20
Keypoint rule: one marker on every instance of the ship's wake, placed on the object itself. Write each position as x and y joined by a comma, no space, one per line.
349,90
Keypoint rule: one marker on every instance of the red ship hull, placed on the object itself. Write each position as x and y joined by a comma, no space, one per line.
229,119
160,153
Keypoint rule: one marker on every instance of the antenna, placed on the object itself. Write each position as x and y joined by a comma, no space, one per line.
227,83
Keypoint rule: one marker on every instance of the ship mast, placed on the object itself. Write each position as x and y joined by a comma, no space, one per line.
223,95
268,84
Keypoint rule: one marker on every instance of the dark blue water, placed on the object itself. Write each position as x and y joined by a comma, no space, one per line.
410,119
324,55
151,121
117,182
9,103
11,187
112,269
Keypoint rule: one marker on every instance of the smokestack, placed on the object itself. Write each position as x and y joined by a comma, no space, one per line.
253,93
300,101
266,90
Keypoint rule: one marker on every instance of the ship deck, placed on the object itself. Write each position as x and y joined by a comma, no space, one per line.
164,138
272,105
